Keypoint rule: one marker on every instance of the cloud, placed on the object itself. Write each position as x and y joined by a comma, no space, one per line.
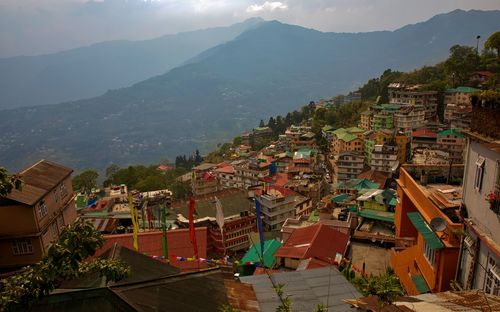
267,6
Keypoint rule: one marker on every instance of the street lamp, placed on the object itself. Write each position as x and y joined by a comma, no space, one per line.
477,44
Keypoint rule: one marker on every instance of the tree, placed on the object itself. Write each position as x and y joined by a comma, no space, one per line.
493,42
385,286
262,124
111,170
65,259
86,180
9,182
237,141
460,64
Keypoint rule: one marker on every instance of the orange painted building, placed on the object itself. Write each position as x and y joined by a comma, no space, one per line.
425,260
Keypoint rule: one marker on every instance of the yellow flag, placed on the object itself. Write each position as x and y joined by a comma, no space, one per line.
135,221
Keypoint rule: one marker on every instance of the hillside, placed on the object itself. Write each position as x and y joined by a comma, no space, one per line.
269,70
90,71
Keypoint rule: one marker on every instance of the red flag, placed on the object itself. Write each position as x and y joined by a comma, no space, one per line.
192,233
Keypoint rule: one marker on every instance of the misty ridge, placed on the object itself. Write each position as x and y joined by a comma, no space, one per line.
198,88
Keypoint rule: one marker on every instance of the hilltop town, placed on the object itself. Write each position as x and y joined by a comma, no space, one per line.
402,184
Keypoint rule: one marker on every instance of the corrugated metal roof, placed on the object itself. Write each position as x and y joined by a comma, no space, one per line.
38,180
253,254
430,237
315,241
377,215
307,289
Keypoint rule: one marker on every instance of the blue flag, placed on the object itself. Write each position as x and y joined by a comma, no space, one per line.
260,227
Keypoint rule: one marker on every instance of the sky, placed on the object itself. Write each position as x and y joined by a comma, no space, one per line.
32,27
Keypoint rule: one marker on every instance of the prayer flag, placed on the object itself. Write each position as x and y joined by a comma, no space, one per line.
192,233
260,227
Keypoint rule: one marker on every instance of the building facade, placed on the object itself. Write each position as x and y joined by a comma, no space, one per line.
32,219
480,261
278,204
427,260
385,158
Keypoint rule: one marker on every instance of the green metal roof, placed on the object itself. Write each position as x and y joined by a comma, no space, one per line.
340,198
327,128
392,202
346,136
430,237
420,283
453,131
339,131
253,254
358,184
462,90
377,215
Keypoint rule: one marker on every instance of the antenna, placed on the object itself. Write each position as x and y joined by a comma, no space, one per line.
438,224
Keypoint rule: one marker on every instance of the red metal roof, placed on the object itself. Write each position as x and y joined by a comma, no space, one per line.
283,190
279,179
178,243
424,133
225,169
315,241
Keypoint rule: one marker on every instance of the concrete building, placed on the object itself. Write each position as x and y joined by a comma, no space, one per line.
452,141
235,236
400,93
456,99
425,258
278,204
345,140
385,158
346,166
423,138
203,180
31,219
365,121
480,256
409,118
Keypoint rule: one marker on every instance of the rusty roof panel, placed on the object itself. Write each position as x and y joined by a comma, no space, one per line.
38,180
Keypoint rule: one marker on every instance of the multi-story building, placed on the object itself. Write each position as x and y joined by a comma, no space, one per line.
203,180
278,204
365,121
385,158
403,143
346,141
409,118
346,166
235,236
383,120
427,235
225,177
460,118
400,93
31,219
423,138
457,98
452,141
480,256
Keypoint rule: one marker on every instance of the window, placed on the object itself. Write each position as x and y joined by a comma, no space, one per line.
41,209
63,190
492,282
56,196
429,253
22,247
478,181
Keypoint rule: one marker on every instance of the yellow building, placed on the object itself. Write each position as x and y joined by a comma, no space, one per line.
402,141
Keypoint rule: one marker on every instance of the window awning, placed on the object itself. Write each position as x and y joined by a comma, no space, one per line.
480,161
420,284
423,228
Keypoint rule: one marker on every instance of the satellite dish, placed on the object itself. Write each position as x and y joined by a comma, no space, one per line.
438,224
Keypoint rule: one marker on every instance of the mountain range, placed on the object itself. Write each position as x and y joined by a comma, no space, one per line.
90,71
269,69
